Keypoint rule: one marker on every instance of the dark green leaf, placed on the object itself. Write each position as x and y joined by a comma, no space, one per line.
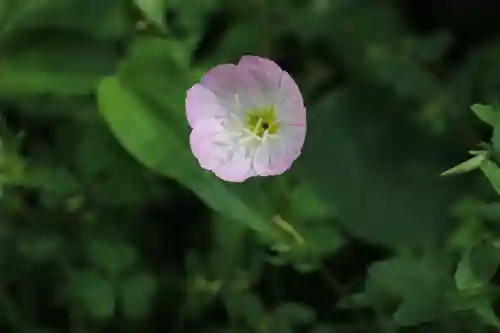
112,257
137,294
366,175
94,293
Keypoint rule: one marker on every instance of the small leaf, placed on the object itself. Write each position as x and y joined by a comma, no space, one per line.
111,257
94,293
464,278
287,315
307,204
423,306
137,293
245,306
354,301
492,172
469,165
484,260
154,10
485,112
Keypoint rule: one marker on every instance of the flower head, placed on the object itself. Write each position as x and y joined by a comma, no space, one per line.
247,120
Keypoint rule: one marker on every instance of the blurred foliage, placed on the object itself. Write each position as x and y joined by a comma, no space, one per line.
109,225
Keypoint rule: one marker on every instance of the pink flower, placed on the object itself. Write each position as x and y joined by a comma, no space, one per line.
247,120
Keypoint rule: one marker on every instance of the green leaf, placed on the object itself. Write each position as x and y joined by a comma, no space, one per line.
137,293
94,293
307,205
62,65
469,165
154,10
424,305
477,267
486,113
485,311
287,315
246,307
383,189
112,257
492,172
145,110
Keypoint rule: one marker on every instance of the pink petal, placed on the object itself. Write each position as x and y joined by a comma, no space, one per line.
202,140
216,151
272,158
201,104
279,86
236,89
237,168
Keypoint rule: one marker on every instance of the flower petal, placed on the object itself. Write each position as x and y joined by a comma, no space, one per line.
202,103
279,86
236,89
272,158
237,168
220,152
202,141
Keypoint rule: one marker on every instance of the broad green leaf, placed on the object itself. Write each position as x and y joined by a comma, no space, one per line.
145,110
469,165
62,65
384,189
492,172
137,294
94,293
111,257
154,10
486,113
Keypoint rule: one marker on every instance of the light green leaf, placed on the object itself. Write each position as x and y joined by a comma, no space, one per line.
94,293
137,294
486,113
492,172
154,10
469,165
